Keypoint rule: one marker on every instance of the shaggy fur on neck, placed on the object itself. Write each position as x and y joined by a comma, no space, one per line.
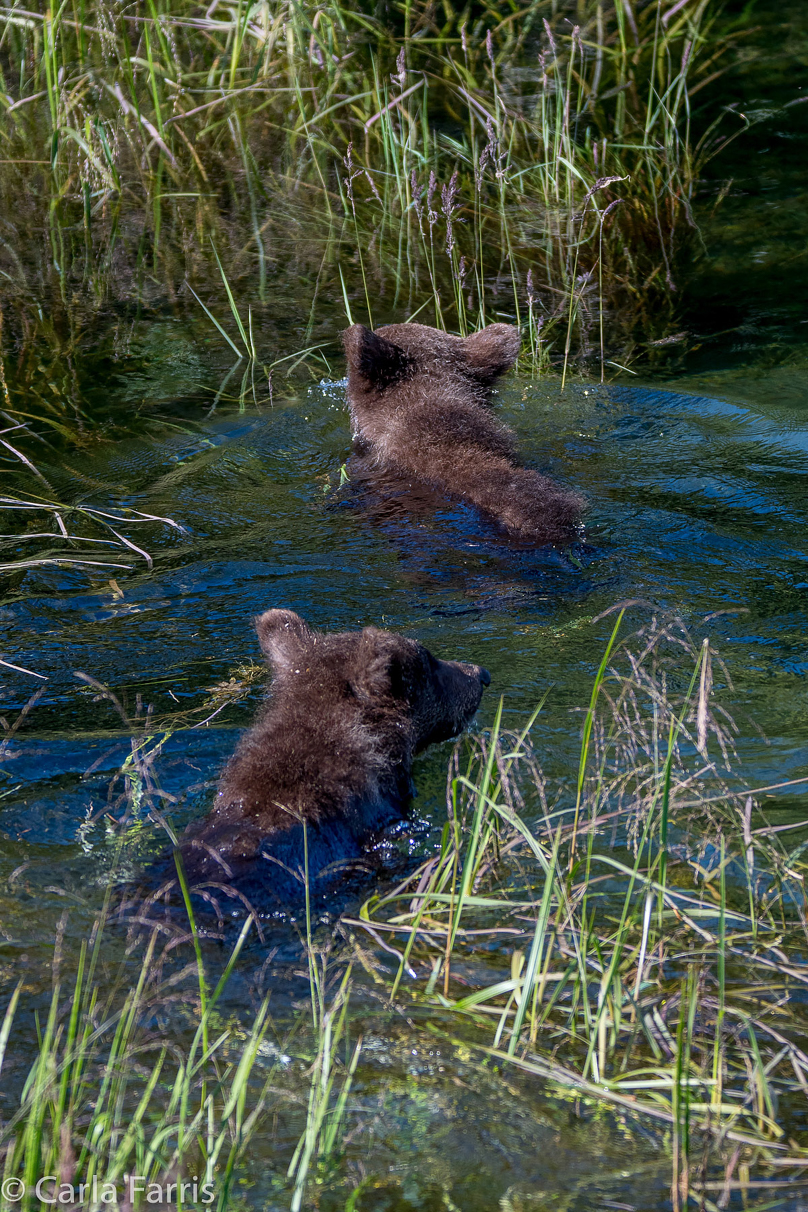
420,406
332,749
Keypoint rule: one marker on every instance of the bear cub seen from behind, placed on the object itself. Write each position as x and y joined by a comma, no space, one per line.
332,747
420,407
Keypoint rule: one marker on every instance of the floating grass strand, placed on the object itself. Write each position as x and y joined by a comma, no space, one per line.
60,546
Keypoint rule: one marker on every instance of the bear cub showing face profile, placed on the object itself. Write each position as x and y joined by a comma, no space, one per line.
332,747
420,407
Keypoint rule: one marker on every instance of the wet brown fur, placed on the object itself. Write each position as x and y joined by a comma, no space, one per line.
333,747
420,406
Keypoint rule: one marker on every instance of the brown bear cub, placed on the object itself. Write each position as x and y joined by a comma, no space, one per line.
332,747
420,407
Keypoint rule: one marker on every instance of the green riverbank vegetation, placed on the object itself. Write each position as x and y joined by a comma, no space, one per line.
280,168
631,938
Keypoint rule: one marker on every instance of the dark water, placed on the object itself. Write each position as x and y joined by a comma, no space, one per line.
747,299
698,505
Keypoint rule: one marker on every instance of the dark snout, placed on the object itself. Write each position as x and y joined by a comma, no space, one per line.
480,676
460,689
476,675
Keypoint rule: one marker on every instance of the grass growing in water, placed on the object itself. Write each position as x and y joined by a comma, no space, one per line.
536,166
107,1098
658,936
630,933
135,1099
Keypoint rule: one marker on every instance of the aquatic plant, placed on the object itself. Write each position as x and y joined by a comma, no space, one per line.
655,922
176,158
107,1098
80,534
146,1093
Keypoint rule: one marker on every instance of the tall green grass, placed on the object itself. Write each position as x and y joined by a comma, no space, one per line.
657,937
106,1098
269,160
134,1098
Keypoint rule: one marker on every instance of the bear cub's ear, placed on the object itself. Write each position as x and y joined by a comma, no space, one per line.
378,361
492,350
282,635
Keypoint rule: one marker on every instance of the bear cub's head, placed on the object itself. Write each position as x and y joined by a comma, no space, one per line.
390,678
405,360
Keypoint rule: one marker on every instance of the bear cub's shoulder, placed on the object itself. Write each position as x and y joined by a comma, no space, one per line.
420,405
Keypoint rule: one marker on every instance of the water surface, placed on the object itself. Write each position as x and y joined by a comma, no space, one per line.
697,506
696,483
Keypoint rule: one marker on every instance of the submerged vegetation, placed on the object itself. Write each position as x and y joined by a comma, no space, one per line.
534,164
